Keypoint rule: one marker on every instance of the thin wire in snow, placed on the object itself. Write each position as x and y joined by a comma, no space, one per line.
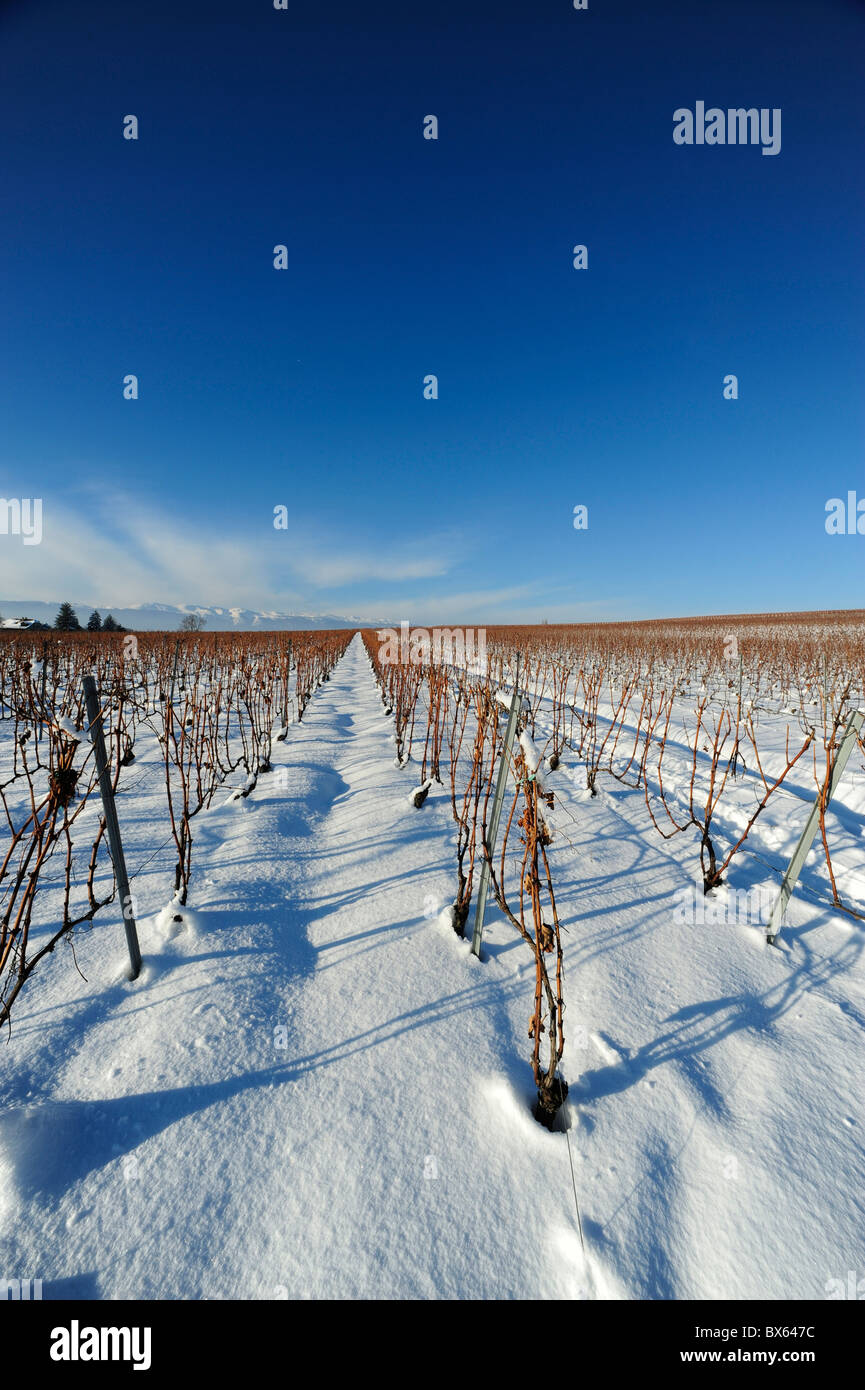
574,1181
801,886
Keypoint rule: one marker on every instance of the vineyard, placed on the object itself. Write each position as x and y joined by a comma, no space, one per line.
214,711
305,820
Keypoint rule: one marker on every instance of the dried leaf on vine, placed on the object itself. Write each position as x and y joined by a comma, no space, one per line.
547,937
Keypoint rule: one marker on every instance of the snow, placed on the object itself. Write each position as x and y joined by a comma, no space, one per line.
532,758
314,1090
65,725
505,698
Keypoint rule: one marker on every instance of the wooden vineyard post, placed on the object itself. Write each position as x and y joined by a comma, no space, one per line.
498,799
806,839
97,738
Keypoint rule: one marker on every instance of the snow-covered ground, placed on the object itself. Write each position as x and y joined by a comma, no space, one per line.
314,1090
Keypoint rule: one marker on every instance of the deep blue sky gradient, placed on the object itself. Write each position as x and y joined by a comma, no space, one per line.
409,256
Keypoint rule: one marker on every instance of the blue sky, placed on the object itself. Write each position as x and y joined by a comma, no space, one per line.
304,387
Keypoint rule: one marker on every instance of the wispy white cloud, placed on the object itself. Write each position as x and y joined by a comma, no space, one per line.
117,550
525,603
114,551
127,554
335,571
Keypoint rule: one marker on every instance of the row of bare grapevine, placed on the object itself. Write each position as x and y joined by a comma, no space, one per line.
638,702
213,702
635,700
459,717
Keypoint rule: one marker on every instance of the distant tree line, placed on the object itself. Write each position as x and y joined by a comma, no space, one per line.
67,621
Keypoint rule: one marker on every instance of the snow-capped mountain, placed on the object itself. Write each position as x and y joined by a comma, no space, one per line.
146,617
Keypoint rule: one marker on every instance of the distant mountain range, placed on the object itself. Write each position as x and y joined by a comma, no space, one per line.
148,617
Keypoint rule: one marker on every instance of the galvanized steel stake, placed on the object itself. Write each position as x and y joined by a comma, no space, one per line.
498,799
851,734
97,738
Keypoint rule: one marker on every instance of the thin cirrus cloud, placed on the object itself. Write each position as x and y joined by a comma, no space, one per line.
333,570
120,551
124,554
534,602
